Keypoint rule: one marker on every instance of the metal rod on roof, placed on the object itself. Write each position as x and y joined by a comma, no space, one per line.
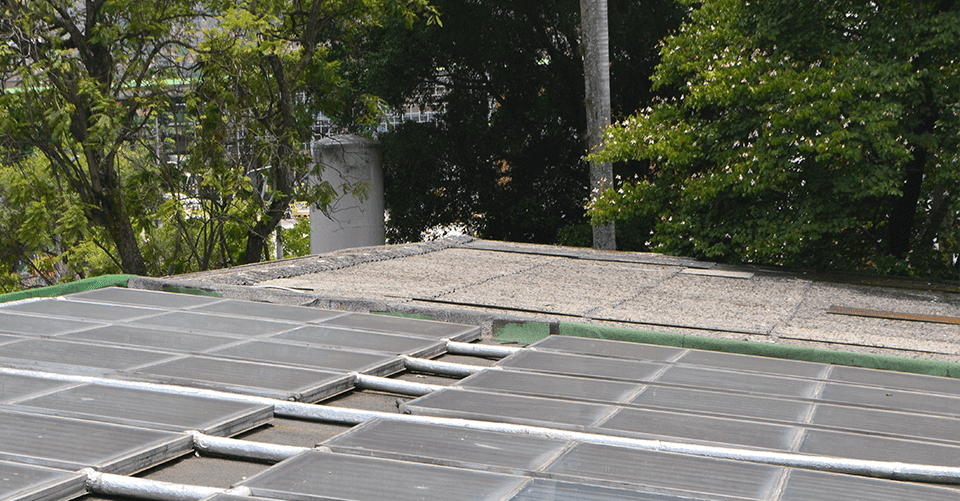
878,469
481,350
230,447
142,488
398,386
437,367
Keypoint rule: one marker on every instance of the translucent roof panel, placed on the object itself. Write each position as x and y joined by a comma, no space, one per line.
137,297
82,310
23,482
365,340
75,443
63,362
322,475
448,445
150,409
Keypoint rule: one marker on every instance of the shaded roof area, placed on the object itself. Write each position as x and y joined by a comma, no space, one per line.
338,403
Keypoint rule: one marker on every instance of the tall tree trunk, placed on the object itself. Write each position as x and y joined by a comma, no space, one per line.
595,42
257,236
131,260
900,231
115,219
282,173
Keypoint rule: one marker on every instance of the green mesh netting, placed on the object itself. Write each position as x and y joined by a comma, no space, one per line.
69,288
89,284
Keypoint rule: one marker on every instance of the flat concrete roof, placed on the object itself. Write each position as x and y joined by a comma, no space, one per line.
113,378
491,284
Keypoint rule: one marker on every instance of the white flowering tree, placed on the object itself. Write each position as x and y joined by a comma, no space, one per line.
802,133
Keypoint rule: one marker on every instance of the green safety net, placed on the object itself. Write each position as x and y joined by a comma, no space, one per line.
89,284
68,288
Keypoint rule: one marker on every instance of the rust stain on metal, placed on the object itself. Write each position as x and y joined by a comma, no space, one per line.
892,315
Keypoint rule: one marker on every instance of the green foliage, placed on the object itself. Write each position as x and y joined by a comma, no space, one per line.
296,240
83,84
505,157
42,233
268,70
100,104
801,134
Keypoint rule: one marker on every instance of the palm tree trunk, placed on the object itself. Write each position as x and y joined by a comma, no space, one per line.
595,42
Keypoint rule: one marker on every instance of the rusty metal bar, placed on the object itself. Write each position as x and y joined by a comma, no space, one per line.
892,315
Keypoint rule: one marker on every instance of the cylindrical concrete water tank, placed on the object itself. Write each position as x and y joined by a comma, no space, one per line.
349,221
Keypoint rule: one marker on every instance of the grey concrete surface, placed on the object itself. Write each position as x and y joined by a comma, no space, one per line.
490,283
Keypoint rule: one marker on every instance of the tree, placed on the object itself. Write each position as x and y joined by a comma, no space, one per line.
81,81
269,69
504,156
804,134
595,45
101,99
37,225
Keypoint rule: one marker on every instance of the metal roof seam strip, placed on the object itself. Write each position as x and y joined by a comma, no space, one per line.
119,485
879,469
781,486
481,350
245,449
807,420
445,368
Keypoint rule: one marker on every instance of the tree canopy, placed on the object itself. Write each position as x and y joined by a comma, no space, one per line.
505,156
170,135
801,133
81,81
268,70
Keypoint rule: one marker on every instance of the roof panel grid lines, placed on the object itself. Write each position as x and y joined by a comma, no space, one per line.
72,444
117,380
731,372
33,325
68,356
203,315
569,470
25,482
94,312
664,405
249,378
146,409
